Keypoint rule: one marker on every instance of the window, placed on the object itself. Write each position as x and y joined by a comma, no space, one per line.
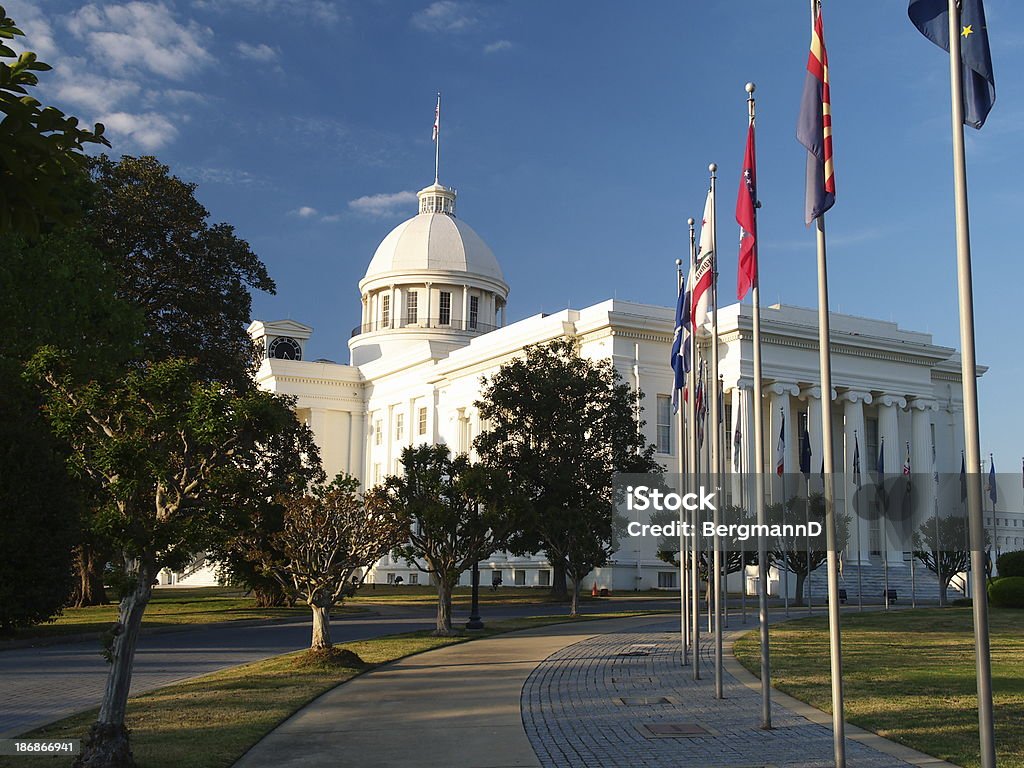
422,418
444,316
385,310
414,578
666,579
474,311
519,578
544,578
377,432
376,474
391,578
399,425
412,302
664,424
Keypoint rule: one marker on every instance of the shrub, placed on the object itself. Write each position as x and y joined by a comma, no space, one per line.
1007,592
1010,564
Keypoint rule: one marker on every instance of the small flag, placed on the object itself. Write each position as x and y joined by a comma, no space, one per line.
702,276
805,454
931,17
437,119
814,128
881,459
906,463
680,359
963,477
700,405
992,492
746,217
856,460
737,446
780,449
881,495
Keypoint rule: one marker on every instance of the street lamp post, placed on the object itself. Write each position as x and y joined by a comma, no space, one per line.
474,608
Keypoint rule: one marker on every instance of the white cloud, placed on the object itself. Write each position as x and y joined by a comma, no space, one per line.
149,130
497,45
258,52
321,11
180,96
304,212
385,204
92,92
445,16
39,36
214,175
143,35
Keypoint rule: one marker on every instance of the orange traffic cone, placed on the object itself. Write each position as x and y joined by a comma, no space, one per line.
593,590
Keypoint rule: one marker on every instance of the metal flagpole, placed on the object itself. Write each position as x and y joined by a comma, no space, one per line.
739,468
716,444
691,413
723,440
968,373
684,623
856,511
762,542
825,364
437,137
784,541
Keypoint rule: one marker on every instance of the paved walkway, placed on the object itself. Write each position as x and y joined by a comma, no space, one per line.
603,694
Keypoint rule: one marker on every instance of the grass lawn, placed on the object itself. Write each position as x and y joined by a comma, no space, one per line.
185,605
908,676
209,722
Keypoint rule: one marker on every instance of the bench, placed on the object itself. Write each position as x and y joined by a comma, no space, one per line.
890,595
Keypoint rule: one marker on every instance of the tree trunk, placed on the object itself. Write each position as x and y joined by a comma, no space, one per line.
107,745
558,588
321,626
89,577
444,608
943,587
574,605
801,578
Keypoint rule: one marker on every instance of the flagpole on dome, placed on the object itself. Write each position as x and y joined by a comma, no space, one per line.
437,139
972,95
746,216
814,131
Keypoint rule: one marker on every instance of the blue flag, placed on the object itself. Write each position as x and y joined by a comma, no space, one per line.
681,345
992,493
856,460
932,18
963,477
805,454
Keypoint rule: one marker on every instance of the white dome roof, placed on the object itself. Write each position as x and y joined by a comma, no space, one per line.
434,241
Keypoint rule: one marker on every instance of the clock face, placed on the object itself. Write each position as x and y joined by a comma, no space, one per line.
284,348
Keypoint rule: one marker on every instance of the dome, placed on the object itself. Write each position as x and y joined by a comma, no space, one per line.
434,242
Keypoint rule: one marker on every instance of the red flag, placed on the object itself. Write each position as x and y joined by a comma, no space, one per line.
746,217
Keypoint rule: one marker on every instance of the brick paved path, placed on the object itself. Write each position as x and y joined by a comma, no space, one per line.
587,706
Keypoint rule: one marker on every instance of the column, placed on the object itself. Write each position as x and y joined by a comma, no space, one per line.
345,442
465,307
889,432
921,459
427,318
742,416
395,309
781,409
853,423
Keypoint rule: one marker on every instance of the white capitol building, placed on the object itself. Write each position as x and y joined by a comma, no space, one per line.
433,309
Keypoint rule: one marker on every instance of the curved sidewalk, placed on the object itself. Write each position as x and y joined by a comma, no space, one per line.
565,695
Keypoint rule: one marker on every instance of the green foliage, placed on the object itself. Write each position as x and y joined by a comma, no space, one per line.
189,278
942,546
40,147
1007,592
559,427
1010,564
456,513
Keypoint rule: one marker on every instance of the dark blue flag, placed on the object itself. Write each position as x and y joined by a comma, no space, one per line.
805,454
932,18
963,477
992,492
681,345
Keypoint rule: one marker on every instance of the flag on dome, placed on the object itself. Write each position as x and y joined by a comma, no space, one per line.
437,119
746,217
814,128
931,17
780,450
702,276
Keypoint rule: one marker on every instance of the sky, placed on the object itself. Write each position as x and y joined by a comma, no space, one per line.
578,136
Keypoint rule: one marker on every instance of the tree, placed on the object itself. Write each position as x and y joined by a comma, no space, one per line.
40,147
942,547
797,554
329,534
190,279
456,513
559,426
154,443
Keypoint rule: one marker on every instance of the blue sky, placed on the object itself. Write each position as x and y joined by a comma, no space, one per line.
578,137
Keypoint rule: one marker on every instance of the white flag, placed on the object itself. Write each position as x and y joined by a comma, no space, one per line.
702,287
437,118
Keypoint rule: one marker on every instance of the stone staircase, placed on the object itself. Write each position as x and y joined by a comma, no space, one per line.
872,580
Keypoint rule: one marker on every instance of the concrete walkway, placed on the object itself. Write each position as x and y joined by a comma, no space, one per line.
601,694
